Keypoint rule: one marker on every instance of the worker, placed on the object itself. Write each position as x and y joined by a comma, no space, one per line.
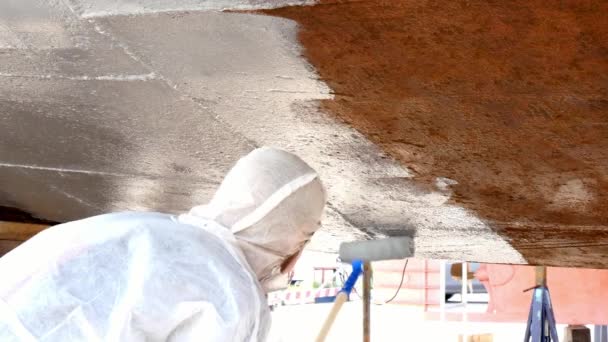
135,276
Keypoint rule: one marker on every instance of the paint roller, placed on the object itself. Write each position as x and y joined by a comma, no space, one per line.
393,248
357,253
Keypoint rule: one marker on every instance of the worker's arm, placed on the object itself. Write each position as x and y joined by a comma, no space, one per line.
131,277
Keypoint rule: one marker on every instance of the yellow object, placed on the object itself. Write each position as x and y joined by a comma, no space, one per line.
476,338
19,231
456,272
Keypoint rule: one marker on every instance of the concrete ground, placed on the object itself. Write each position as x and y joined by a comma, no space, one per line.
389,323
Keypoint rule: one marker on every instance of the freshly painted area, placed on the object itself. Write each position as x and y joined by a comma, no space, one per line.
147,112
103,8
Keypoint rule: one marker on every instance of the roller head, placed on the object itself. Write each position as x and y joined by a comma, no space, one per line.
377,250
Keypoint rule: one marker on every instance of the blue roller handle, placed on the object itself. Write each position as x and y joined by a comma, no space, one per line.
352,278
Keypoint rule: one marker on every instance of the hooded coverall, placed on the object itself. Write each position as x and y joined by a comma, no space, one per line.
141,276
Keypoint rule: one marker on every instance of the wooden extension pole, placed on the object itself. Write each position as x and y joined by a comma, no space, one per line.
341,298
541,276
12,234
367,299
18,231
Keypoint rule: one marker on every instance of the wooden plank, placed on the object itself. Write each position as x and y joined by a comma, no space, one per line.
17,231
8,245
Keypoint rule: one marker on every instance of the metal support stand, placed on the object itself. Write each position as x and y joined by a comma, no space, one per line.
367,290
541,321
600,333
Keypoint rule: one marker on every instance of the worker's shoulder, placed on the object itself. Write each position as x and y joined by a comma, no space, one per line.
124,224
124,216
116,224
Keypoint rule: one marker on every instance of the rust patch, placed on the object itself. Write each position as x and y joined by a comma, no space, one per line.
508,98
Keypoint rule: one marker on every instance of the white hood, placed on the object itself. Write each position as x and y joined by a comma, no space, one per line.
272,201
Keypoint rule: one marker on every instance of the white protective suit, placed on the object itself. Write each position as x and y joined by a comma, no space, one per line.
155,277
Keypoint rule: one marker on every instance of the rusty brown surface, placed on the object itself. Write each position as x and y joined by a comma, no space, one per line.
508,98
8,245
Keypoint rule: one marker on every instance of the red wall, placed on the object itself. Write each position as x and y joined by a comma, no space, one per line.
579,296
420,287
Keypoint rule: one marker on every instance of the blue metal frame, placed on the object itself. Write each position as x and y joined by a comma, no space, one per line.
541,321
600,333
